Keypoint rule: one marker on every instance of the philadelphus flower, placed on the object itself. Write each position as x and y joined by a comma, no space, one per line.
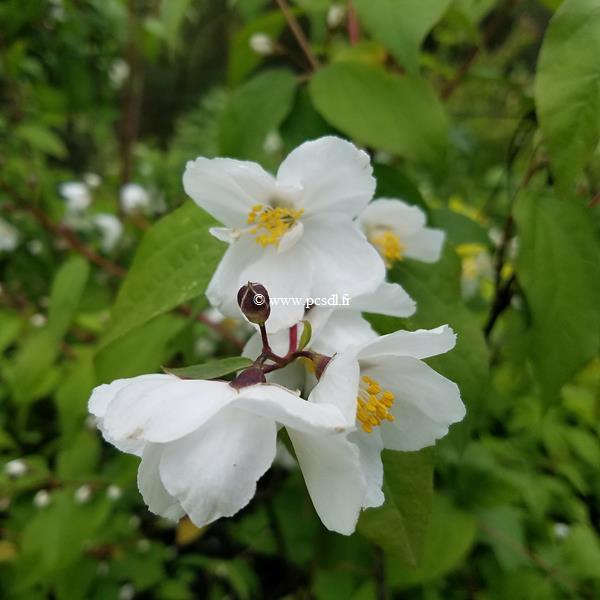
203,444
294,232
396,400
134,198
262,44
398,230
77,195
335,15
110,228
9,236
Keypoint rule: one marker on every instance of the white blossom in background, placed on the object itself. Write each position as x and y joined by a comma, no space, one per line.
561,530
134,198
273,142
396,400
118,72
38,320
77,196
295,232
203,444
9,236
35,247
127,592
398,230
262,44
336,15
110,228
114,492
83,494
92,180
42,499
16,468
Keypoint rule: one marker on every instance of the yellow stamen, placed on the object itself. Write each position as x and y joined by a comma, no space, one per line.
373,404
271,223
388,244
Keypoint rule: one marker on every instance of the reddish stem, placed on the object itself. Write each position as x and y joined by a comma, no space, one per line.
293,339
353,25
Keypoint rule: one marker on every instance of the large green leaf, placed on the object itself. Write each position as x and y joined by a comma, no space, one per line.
173,264
567,88
449,536
399,114
401,26
253,111
558,268
400,525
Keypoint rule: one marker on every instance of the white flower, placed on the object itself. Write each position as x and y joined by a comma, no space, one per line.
83,494
93,180
35,247
203,444
335,15
127,592
38,320
15,468
262,44
42,499
273,143
118,72
9,236
113,492
110,228
134,198
77,194
293,233
561,530
398,230
397,400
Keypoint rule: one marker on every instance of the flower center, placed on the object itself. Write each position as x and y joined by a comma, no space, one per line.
373,404
272,223
388,244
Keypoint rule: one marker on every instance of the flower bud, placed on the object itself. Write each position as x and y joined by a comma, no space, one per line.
253,300
262,44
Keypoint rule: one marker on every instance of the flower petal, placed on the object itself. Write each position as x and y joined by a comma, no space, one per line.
227,188
213,471
156,497
426,403
165,410
284,407
333,173
344,328
402,218
339,385
425,245
331,469
388,299
418,344
370,446
341,258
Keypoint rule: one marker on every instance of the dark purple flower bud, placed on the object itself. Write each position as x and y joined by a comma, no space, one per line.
253,299
248,377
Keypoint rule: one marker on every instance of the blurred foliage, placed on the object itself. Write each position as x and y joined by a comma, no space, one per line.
484,112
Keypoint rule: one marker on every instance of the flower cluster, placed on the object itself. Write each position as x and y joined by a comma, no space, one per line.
342,392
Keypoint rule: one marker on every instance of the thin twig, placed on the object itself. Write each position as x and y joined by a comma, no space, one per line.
353,25
298,33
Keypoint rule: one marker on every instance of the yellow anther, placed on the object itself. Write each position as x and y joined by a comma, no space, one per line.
388,244
373,404
272,223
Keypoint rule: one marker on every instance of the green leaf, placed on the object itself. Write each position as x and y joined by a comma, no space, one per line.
212,369
400,525
173,264
139,351
459,228
306,335
449,537
567,88
558,267
401,26
399,114
67,288
254,110
393,183
10,325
